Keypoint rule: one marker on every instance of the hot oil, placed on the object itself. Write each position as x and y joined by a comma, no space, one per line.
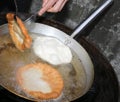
11,59
73,75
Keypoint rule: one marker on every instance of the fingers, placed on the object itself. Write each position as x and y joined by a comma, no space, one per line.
62,5
58,6
52,6
44,2
47,5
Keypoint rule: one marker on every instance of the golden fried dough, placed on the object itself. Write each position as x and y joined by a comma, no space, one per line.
40,81
18,32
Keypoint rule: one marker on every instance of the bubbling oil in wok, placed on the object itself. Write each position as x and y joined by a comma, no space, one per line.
11,59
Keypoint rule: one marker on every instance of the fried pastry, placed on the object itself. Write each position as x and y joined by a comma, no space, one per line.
40,81
52,50
18,32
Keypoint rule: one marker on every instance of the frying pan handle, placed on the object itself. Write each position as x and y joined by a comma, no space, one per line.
96,13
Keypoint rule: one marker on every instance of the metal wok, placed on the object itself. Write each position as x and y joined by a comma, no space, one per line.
76,83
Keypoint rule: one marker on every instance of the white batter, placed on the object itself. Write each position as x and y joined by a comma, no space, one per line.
35,83
52,50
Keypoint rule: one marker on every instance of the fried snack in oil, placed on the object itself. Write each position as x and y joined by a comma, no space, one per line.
26,78
18,32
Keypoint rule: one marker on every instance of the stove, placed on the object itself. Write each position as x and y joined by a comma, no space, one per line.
105,85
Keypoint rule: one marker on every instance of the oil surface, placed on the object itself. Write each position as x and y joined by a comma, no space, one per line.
11,59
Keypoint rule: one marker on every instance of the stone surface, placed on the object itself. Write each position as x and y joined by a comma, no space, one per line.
106,35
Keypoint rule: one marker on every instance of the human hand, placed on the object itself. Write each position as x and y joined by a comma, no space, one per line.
52,6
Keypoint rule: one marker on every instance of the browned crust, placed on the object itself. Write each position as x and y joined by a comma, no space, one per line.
27,40
51,75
